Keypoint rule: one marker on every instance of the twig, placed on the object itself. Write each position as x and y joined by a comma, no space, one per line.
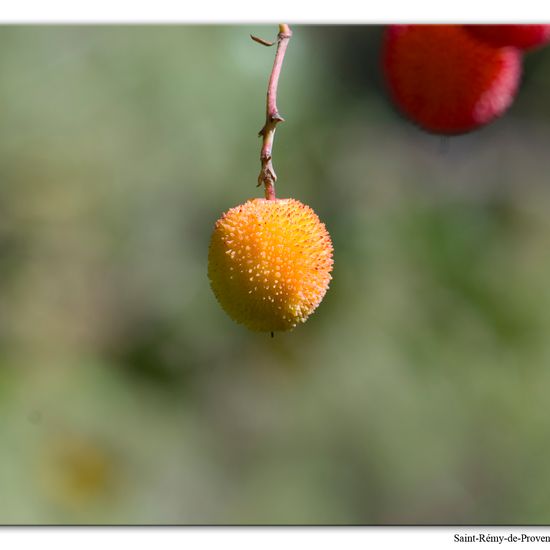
267,176
262,41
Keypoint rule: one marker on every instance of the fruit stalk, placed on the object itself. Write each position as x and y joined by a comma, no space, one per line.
267,176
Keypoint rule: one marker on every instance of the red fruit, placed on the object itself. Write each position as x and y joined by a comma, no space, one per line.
446,81
524,37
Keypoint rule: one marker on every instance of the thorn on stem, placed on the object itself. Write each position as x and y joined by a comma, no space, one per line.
276,117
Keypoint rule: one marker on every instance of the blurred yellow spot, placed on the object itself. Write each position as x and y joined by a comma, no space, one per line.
78,470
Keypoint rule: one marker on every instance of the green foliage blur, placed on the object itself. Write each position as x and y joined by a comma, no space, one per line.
417,393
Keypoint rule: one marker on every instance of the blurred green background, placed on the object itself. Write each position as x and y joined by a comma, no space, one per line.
417,393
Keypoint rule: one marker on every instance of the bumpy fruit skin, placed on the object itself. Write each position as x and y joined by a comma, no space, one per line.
269,263
524,37
446,81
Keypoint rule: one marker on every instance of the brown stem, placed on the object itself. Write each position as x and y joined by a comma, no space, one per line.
267,176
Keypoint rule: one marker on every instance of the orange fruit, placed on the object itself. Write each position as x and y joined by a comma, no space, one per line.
269,263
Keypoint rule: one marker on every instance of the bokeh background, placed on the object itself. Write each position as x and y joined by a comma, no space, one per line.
417,393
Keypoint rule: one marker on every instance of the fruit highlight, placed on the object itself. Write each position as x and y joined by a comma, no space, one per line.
269,263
